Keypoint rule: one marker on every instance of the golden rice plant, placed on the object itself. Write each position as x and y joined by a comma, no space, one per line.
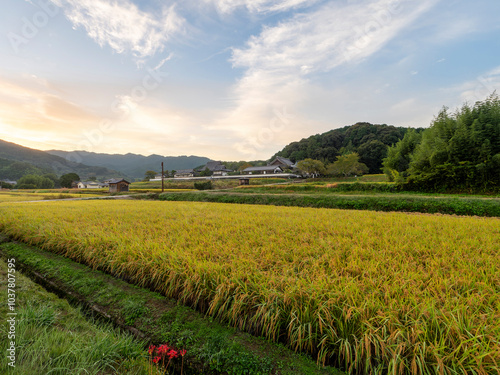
369,292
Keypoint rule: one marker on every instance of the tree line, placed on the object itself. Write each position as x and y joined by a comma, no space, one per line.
460,151
46,181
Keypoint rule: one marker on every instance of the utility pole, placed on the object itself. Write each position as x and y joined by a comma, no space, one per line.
162,177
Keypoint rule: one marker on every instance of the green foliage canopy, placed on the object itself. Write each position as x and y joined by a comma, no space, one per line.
460,151
347,165
67,179
32,181
311,166
149,175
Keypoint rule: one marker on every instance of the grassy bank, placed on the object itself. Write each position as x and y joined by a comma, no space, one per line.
52,337
211,347
441,205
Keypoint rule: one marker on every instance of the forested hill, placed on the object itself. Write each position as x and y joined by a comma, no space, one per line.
369,141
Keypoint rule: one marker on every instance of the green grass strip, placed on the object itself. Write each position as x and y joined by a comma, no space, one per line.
51,337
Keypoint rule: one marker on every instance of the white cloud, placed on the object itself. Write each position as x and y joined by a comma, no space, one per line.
480,88
259,6
282,62
122,25
330,36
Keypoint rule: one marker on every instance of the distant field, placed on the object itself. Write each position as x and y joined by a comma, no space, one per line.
217,183
368,292
364,178
21,196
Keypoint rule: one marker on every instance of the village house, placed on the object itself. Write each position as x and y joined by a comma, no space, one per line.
266,169
90,185
185,173
283,163
216,167
117,185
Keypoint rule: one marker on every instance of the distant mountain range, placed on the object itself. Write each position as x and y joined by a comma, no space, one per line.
17,161
133,165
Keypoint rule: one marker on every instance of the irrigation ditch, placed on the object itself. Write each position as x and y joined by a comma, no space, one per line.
212,347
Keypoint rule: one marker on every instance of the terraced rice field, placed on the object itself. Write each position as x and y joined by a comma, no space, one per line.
368,292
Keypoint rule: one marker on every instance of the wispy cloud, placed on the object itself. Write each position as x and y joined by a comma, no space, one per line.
122,25
259,6
480,88
330,36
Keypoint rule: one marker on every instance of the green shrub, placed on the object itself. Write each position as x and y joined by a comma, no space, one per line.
205,185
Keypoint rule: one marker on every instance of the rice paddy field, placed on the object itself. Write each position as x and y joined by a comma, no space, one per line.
24,196
367,292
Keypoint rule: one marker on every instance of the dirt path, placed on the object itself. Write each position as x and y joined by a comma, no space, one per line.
77,199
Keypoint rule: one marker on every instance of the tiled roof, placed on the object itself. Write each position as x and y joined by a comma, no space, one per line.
117,180
263,168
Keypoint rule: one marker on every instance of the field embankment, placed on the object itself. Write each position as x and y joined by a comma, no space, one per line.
52,337
363,291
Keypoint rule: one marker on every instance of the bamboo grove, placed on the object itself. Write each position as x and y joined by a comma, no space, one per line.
368,292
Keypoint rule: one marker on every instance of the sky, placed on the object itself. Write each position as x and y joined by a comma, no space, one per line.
234,79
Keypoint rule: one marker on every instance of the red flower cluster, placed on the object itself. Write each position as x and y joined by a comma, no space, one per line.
173,354
165,351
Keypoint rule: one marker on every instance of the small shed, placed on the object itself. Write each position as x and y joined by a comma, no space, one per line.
117,185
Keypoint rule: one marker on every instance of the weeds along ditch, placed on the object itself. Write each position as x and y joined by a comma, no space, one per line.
52,337
363,291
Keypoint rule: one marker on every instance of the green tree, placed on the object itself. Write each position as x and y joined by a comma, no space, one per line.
244,166
34,182
398,158
206,172
458,151
347,165
149,175
53,177
66,179
372,153
311,166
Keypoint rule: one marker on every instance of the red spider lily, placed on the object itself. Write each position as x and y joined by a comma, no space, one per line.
151,349
163,349
156,359
172,354
182,352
